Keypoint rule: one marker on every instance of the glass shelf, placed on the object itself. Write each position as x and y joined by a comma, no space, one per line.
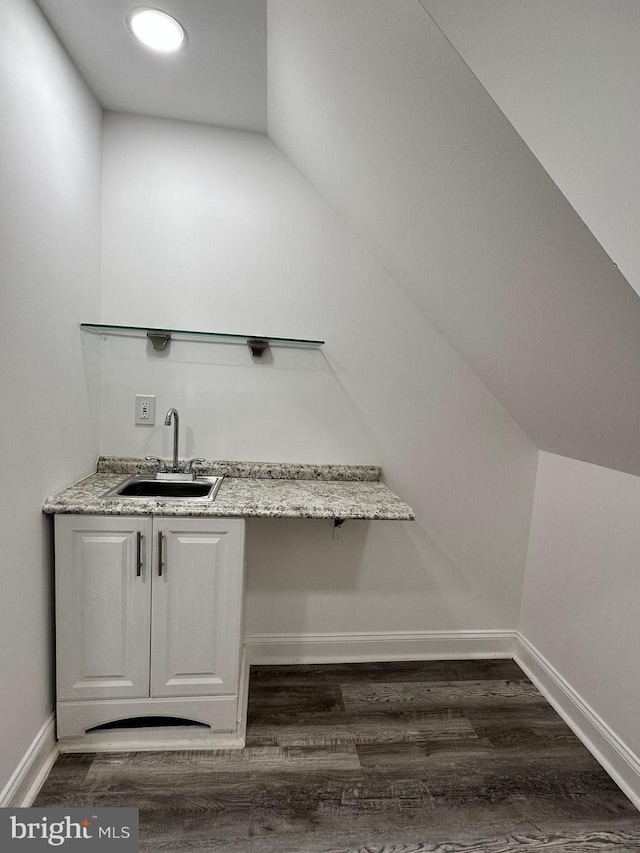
160,338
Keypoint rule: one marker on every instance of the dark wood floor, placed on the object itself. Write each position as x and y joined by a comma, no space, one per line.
437,757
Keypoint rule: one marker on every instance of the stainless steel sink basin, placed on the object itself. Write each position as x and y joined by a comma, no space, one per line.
142,486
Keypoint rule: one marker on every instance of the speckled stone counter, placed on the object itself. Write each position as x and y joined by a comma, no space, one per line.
249,489
252,470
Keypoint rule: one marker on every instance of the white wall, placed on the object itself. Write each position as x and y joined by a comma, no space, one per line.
375,107
49,266
582,586
565,73
212,229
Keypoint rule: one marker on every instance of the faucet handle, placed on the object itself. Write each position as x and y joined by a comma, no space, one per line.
162,468
188,465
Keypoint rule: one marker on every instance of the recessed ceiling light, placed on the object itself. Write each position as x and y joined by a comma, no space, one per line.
156,29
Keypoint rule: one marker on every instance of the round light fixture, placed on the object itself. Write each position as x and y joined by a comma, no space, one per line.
156,29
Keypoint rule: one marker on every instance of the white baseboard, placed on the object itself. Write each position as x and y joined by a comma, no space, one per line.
617,759
384,646
28,777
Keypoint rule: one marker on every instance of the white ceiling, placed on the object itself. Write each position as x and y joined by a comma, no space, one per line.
566,76
371,102
220,78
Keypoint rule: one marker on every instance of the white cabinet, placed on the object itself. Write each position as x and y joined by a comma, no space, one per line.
103,607
148,620
195,607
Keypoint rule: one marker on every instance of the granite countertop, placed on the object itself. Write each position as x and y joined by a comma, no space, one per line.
249,489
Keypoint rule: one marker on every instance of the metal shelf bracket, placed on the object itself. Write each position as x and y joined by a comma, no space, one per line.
159,339
257,346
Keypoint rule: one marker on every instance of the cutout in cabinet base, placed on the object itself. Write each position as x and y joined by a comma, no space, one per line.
148,722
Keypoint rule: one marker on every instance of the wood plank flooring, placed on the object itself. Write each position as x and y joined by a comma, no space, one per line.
420,757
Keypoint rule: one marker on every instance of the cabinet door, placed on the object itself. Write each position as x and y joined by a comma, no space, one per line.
103,589
196,606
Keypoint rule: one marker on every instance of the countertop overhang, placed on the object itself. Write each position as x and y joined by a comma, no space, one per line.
249,489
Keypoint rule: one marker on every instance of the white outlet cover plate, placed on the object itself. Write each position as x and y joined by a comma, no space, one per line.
145,410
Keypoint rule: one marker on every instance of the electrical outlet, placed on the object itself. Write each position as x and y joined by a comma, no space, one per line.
145,410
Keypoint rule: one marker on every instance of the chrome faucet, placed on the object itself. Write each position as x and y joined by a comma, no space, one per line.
173,413
162,465
188,465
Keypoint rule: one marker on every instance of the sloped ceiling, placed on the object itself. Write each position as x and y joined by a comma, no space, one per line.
375,106
566,75
378,110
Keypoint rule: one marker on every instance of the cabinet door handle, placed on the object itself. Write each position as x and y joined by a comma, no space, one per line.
139,554
160,554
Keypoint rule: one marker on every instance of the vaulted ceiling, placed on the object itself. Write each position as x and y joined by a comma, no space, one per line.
375,106
565,73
